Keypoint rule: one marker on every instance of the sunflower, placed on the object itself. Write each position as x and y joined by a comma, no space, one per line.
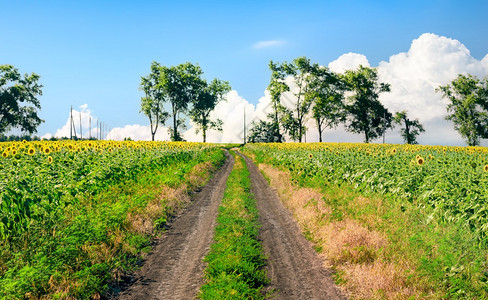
47,150
310,155
50,159
31,151
485,168
420,160
5,154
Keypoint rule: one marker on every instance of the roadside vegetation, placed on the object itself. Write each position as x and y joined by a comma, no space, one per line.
236,261
78,216
394,221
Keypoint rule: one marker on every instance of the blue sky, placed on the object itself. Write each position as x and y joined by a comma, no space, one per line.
94,52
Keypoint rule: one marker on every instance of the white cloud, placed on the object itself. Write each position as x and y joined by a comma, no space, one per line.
414,75
348,61
431,61
268,44
84,124
137,133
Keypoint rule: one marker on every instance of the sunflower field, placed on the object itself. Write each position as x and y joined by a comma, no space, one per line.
451,180
76,214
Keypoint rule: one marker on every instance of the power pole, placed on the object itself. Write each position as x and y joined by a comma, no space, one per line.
81,130
244,124
71,123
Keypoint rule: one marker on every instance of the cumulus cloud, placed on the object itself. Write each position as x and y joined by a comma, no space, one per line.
268,44
414,75
83,124
348,61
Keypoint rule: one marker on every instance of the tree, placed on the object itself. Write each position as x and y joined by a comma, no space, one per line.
326,93
468,107
412,128
182,82
276,88
262,132
205,102
299,69
18,100
155,96
365,113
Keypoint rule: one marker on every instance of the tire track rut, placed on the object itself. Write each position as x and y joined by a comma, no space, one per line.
295,270
174,268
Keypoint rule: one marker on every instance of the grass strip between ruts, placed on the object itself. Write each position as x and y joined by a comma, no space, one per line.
236,261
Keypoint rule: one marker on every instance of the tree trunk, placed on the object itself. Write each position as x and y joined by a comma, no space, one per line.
319,127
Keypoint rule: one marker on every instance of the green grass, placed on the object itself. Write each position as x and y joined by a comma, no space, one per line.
78,251
447,259
236,261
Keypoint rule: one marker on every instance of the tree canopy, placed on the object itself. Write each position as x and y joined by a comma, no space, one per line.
412,127
205,102
326,94
183,89
468,107
365,113
19,101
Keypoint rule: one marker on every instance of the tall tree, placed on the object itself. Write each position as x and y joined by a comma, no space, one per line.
294,119
18,100
326,93
183,83
276,88
365,113
205,102
154,98
412,127
468,107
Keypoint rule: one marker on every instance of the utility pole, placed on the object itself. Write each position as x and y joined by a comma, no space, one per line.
81,130
244,124
71,123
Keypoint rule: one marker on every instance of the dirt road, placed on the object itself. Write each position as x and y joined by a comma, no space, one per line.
295,270
174,269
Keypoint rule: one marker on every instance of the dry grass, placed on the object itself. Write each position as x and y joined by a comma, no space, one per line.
352,247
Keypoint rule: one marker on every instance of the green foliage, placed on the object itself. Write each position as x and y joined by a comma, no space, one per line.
155,96
18,100
412,127
78,236
263,132
205,102
236,261
326,93
365,112
433,203
468,107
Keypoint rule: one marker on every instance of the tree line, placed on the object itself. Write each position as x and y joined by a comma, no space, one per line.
352,99
329,98
184,91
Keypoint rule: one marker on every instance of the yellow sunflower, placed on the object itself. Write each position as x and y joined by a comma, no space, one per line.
31,151
47,150
420,160
485,168
50,159
5,154
310,155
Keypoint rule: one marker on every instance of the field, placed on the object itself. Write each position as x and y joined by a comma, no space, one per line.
76,216
412,217
77,219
